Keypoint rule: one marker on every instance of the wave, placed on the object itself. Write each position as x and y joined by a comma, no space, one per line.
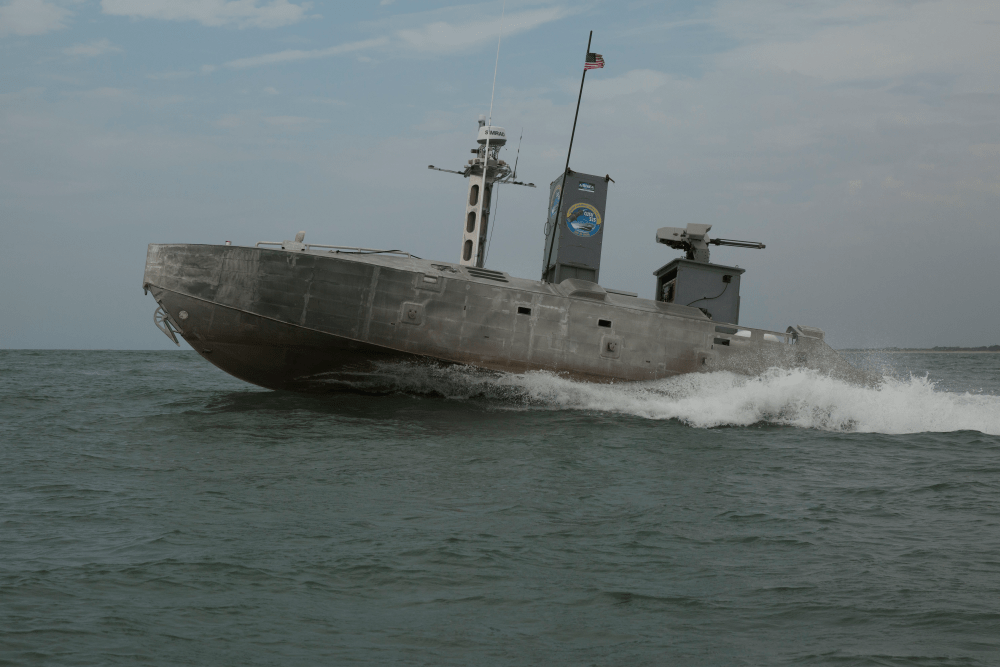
799,397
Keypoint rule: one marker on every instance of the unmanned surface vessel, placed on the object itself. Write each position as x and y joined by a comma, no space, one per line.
295,315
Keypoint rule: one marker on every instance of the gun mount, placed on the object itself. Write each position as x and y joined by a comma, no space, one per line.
694,240
693,280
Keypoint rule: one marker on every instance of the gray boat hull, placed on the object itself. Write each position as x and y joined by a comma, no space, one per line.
306,319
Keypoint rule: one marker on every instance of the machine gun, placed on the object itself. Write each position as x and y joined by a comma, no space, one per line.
694,240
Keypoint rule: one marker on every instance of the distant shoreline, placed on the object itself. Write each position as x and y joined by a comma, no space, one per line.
992,349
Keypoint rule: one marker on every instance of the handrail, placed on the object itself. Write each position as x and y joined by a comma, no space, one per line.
338,248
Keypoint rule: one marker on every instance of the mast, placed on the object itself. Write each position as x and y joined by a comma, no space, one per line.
562,187
483,172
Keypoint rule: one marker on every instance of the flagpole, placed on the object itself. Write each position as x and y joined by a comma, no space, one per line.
577,114
562,198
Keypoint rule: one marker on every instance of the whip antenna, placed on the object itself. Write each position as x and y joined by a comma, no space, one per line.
517,157
489,124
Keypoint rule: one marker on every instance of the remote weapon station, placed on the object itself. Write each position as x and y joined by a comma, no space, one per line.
297,315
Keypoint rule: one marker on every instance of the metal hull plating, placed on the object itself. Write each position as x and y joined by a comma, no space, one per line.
297,319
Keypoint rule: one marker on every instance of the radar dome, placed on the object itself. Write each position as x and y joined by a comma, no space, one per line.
496,135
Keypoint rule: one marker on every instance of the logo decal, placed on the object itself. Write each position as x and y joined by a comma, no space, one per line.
554,205
583,220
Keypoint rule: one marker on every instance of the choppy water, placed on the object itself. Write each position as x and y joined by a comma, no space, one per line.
155,511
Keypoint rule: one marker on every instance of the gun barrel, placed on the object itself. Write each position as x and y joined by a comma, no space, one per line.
738,244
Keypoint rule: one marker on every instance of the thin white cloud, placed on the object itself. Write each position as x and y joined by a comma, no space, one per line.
444,37
635,81
436,37
856,40
290,122
169,76
31,17
91,49
297,54
241,13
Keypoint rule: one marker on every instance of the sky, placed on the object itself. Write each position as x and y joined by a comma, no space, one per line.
859,140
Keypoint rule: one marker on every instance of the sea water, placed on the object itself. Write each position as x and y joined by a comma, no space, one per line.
156,511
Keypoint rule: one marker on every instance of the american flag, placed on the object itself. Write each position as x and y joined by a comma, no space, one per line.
594,61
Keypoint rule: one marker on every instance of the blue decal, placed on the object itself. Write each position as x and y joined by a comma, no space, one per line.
583,220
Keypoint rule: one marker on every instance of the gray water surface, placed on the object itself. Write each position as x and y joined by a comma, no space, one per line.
155,511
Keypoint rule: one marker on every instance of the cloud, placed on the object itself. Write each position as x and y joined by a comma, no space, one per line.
241,13
296,54
636,81
862,40
444,37
436,37
31,17
91,49
169,76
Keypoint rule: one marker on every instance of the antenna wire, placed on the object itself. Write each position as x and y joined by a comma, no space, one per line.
489,124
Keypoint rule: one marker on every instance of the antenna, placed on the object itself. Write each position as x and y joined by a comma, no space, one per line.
489,243
518,156
482,175
489,123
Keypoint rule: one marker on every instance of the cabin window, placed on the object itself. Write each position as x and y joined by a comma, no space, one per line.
470,226
521,310
669,291
467,250
604,323
474,195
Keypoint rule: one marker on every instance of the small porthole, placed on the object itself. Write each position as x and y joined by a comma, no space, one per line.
521,310
604,323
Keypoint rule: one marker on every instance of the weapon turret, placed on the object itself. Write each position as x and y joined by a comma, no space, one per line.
694,240
693,280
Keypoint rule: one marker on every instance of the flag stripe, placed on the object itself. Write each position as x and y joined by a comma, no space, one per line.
594,61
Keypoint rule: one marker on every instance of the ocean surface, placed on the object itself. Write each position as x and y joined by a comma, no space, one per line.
155,511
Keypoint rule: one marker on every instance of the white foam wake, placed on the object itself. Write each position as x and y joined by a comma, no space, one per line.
802,398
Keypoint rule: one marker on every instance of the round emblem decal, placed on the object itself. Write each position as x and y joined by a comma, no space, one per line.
554,205
583,220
